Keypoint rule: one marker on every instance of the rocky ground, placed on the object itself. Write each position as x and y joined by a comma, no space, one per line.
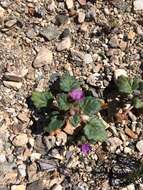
39,40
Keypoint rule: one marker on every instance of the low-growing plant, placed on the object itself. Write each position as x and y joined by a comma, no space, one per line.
132,89
71,107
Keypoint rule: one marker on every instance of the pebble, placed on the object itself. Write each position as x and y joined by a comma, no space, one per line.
88,58
18,187
131,187
49,142
16,76
49,33
61,19
20,140
69,4
2,158
2,12
138,5
114,143
118,73
114,42
35,156
131,35
81,17
44,57
10,23
139,146
22,170
65,44
13,85
57,187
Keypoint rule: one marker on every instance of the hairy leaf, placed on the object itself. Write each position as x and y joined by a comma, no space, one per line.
95,131
41,99
135,83
68,83
137,103
75,119
55,123
90,105
124,85
63,103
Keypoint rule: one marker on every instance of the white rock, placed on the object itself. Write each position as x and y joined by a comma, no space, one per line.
81,17
131,187
2,12
119,72
69,4
2,158
64,44
138,5
139,146
13,85
18,187
22,170
35,156
20,140
88,58
57,187
114,143
44,57
140,186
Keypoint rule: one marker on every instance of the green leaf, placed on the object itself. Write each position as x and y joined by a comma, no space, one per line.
137,103
95,131
90,105
63,103
75,119
55,123
124,85
68,83
135,83
41,99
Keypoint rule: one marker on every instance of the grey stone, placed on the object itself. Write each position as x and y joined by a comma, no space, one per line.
10,23
88,58
50,33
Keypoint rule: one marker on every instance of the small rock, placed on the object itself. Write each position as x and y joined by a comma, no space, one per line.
20,140
114,42
43,57
22,170
31,172
16,76
50,33
13,85
118,73
61,19
2,158
131,187
5,3
65,44
82,2
49,142
10,23
130,133
49,165
57,187
81,17
114,143
31,33
131,35
18,187
23,117
88,58
69,4
2,12
140,186
35,156
65,33
61,139
138,5
139,146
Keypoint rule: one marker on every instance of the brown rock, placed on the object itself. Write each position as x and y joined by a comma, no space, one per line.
20,140
65,44
44,57
18,187
130,133
13,85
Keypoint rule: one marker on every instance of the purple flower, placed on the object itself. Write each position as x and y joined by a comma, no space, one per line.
85,148
76,95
